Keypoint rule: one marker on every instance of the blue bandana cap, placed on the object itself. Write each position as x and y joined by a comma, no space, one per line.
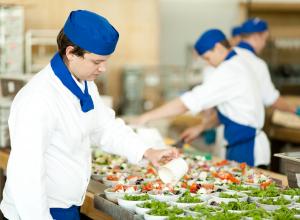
208,40
254,25
91,32
236,31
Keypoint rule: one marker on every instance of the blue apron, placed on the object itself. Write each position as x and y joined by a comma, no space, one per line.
240,138
71,213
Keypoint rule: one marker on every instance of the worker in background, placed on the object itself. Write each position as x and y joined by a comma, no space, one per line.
228,89
254,34
209,117
56,118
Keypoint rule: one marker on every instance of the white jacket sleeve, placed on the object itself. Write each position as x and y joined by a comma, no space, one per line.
29,128
114,136
220,87
269,93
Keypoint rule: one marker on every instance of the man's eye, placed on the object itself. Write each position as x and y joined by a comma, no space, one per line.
95,62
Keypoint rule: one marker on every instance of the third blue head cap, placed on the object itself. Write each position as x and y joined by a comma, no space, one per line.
254,25
208,40
91,32
236,31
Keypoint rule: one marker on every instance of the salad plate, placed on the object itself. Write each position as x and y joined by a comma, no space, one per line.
144,207
271,204
187,200
229,196
163,213
129,202
119,190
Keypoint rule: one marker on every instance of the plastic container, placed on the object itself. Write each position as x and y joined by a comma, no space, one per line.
173,171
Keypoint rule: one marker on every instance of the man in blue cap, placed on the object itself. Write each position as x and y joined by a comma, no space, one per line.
254,34
209,120
55,119
241,111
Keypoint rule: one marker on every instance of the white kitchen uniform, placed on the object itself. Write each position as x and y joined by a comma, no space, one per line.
235,91
268,91
220,143
50,160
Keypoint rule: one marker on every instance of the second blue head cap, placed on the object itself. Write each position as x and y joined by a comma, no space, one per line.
254,25
91,32
236,31
208,40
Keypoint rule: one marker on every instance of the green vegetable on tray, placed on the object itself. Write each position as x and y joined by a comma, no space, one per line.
238,206
153,205
257,214
224,216
188,198
292,192
229,196
241,187
284,213
271,201
174,217
203,209
269,192
165,212
137,197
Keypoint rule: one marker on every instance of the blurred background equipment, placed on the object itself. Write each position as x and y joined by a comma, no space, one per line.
11,39
145,88
40,45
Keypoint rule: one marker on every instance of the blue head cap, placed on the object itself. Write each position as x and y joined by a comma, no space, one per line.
236,31
208,40
254,25
91,32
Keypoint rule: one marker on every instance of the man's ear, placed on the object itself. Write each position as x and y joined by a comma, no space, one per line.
69,55
257,36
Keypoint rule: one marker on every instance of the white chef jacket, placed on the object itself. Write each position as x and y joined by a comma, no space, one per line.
219,148
50,160
235,91
207,72
268,91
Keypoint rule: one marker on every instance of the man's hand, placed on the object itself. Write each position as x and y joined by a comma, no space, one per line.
139,121
190,134
161,155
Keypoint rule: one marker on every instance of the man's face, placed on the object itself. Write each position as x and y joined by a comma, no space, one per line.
88,67
262,40
215,56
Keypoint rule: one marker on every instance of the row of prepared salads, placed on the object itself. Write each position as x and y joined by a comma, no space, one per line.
188,206
211,184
